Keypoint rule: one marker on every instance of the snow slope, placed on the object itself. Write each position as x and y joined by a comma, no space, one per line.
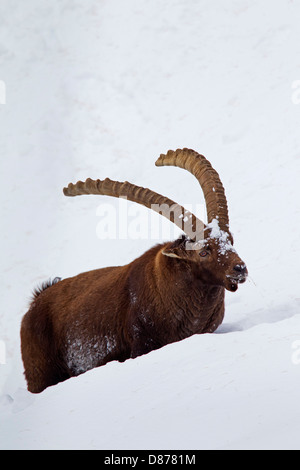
101,89
196,394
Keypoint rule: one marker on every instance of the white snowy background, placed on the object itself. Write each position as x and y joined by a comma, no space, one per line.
101,88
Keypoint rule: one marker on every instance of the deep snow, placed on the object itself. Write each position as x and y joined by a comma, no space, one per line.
96,89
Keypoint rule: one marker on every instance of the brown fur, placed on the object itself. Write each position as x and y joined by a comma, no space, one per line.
166,295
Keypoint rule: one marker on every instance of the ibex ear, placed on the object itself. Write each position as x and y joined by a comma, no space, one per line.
171,253
176,249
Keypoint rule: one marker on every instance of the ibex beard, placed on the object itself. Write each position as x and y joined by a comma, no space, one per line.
171,292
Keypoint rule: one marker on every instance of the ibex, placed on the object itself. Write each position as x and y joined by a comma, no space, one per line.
172,291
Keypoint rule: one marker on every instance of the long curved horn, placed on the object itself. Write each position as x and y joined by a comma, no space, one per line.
208,178
185,220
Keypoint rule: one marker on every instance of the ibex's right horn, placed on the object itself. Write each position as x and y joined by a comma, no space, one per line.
208,178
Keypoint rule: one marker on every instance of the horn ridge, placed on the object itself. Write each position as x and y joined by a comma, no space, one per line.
208,178
185,220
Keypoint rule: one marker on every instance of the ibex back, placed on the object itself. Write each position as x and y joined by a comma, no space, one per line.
172,291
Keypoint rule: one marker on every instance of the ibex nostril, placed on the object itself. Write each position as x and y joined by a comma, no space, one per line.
239,268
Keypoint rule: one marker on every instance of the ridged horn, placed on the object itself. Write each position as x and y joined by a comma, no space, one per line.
208,178
185,220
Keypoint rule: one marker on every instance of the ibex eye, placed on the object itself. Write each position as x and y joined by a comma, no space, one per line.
203,253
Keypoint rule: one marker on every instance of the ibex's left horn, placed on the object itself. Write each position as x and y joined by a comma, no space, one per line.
185,220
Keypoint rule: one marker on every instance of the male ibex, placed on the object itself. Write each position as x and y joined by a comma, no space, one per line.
172,291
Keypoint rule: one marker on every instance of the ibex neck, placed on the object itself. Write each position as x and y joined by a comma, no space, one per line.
195,307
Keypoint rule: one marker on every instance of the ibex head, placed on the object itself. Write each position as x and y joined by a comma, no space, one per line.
211,254
208,249
213,261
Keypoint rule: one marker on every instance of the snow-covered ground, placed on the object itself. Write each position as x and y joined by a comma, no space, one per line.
101,88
